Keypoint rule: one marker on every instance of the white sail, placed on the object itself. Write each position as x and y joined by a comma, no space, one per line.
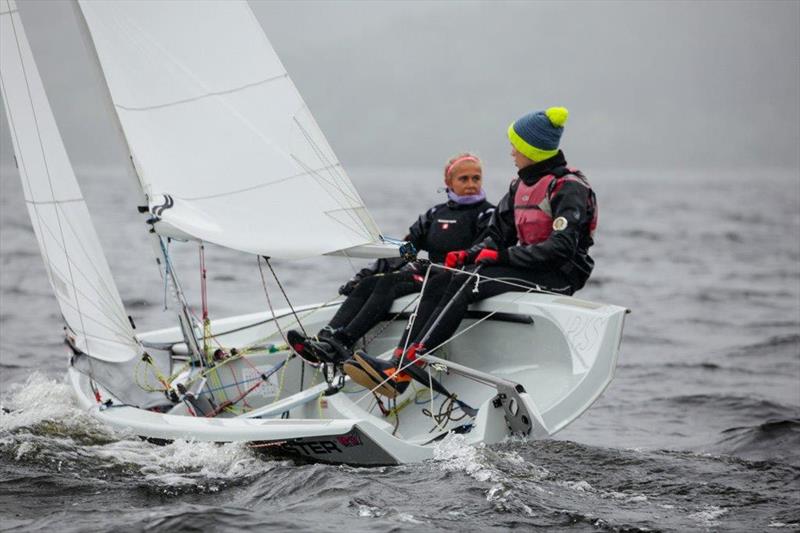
225,148
76,266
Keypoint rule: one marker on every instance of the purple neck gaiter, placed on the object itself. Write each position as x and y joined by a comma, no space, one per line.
466,199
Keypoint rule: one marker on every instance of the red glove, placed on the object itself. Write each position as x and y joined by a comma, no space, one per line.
455,259
487,257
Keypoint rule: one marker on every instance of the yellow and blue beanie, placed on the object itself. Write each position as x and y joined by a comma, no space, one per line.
536,135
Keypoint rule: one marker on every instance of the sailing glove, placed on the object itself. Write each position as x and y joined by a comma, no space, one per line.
348,287
487,257
475,251
455,259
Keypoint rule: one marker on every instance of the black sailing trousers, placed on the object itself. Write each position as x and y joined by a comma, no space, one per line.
371,300
443,288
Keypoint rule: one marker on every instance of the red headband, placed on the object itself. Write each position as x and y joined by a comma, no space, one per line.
459,160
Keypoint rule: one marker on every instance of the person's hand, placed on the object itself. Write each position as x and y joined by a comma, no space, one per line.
408,251
455,259
348,287
473,253
487,257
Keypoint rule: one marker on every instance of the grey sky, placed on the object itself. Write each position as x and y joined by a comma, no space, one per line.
656,84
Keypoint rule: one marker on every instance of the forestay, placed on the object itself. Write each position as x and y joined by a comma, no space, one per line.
225,148
76,266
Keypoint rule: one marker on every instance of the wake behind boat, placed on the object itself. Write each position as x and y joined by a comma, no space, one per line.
523,363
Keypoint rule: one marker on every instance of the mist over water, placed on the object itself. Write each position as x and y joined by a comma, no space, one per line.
685,118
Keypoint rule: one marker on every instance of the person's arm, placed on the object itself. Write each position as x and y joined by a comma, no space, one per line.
482,223
418,232
570,205
501,230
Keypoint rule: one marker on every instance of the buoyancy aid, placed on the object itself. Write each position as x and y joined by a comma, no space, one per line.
533,214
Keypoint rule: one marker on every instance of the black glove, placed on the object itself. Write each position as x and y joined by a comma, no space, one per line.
348,287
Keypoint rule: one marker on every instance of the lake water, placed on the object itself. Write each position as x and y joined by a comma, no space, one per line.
700,429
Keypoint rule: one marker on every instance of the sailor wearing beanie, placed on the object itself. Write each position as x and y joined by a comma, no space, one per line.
537,134
539,238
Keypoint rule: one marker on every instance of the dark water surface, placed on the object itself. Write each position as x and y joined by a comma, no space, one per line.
699,431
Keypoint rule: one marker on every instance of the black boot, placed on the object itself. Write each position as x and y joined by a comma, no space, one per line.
339,341
312,350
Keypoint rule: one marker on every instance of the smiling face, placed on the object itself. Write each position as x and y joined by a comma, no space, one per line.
465,178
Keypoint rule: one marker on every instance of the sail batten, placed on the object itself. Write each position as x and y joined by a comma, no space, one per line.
76,267
214,122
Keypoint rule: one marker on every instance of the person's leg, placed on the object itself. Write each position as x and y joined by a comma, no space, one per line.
320,349
388,288
384,376
354,302
434,291
492,280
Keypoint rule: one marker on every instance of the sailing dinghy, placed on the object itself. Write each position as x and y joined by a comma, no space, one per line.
212,120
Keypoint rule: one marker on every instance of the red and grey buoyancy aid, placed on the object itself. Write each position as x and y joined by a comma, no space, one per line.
533,215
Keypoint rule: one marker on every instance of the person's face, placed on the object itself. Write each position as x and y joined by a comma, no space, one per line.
520,160
465,178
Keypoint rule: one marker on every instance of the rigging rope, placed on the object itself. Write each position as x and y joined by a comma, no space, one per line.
401,366
286,296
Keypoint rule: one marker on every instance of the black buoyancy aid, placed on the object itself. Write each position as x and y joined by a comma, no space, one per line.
533,215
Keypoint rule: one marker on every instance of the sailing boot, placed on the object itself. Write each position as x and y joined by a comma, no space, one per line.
340,341
383,376
312,351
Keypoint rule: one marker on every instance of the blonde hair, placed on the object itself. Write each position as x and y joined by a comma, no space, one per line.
464,156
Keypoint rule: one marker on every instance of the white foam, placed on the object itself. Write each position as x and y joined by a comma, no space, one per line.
41,400
453,454
708,515
580,486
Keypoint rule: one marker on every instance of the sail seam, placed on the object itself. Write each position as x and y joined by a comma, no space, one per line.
202,96
51,202
254,187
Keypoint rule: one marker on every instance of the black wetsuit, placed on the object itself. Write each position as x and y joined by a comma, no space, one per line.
443,228
559,264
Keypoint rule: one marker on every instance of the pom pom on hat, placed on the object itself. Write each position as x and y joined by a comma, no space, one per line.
536,135
557,115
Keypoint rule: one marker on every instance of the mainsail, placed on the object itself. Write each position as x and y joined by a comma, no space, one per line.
225,148
76,267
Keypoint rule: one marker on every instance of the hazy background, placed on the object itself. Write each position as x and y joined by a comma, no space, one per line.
685,117
660,93
648,84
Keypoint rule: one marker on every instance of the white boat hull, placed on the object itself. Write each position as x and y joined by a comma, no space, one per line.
560,353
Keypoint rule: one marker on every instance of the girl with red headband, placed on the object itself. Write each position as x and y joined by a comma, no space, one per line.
452,225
